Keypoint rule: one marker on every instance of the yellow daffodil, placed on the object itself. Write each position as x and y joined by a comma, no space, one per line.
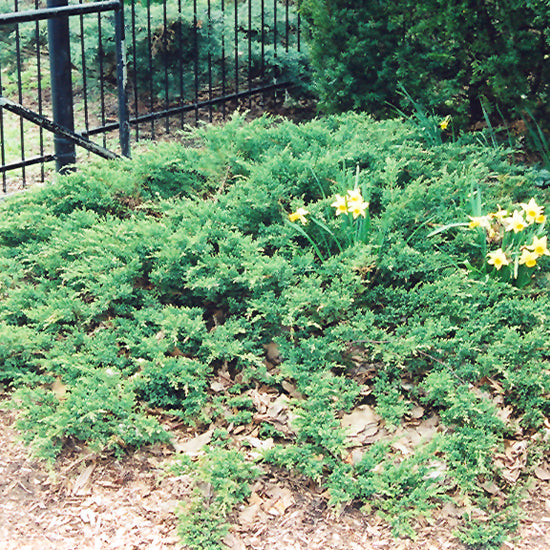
533,211
340,204
498,259
516,223
500,214
444,124
358,208
354,195
300,214
479,221
528,258
355,203
539,246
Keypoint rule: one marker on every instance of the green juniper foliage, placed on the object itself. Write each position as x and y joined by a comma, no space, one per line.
451,57
222,479
126,288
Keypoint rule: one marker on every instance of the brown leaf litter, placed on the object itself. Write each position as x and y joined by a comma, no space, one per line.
93,502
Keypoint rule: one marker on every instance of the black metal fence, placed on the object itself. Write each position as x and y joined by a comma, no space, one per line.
103,74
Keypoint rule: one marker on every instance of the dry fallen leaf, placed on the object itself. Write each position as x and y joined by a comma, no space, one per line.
281,499
403,445
59,389
233,541
272,353
290,389
252,513
438,470
416,412
261,399
449,509
428,427
82,485
263,444
542,473
278,406
217,387
491,488
360,419
195,444
248,514
355,456
504,413
511,475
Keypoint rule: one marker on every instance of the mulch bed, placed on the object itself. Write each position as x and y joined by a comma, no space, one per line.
89,501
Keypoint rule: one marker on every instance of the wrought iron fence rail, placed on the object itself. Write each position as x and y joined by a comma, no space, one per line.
188,60
43,122
42,14
27,162
188,107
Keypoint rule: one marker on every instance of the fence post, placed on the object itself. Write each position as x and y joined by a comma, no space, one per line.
61,85
122,81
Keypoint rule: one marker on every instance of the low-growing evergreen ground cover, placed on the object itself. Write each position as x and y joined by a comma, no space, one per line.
371,351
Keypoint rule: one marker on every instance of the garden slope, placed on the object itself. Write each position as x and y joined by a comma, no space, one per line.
175,285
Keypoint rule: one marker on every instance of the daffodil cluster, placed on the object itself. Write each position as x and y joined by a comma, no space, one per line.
352,203
520,235
355,228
